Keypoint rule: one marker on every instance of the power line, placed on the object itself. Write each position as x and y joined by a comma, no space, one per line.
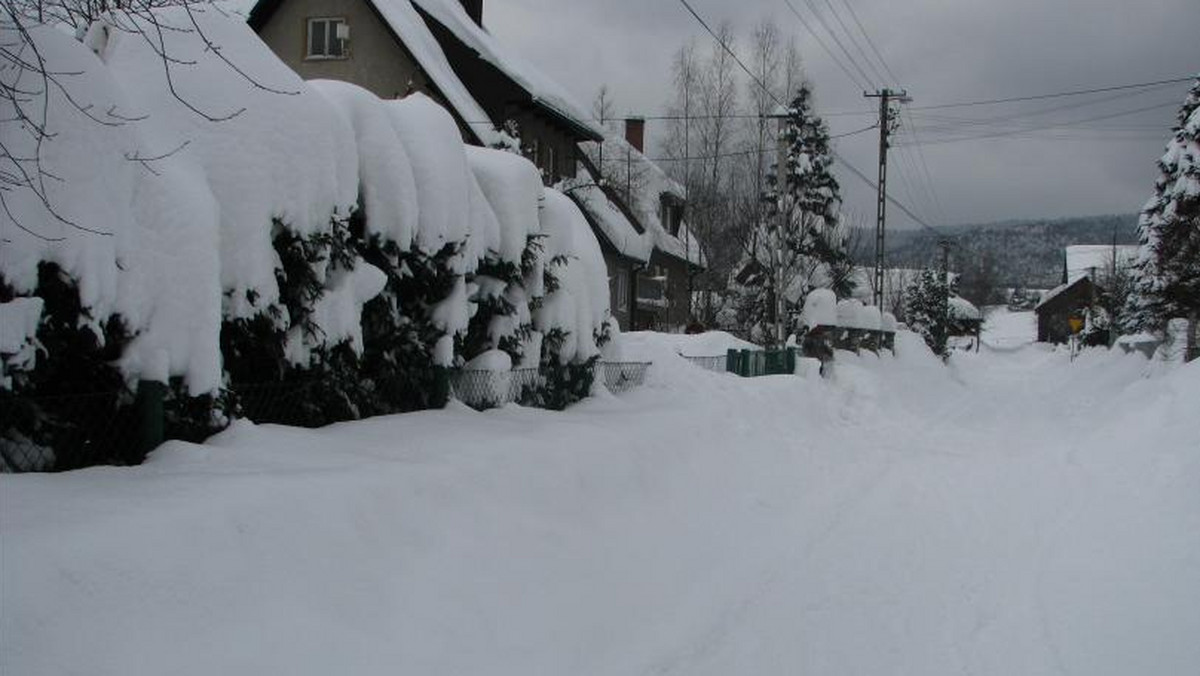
1002,119
870,42
1063,125
825,47
880,77
742,153
833,34
854,170
837,17
1054,95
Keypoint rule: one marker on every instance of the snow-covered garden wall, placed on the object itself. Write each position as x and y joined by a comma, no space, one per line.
199,216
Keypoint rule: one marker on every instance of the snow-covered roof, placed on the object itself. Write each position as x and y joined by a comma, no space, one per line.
1057,291
607,217
544,91
1082,259
624,165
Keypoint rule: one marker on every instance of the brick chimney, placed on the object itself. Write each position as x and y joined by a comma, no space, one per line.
635,132
474,10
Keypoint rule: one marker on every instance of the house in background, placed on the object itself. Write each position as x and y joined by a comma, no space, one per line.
1086,268
664,253
438,47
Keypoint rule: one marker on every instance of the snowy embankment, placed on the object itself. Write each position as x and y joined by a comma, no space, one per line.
1011,513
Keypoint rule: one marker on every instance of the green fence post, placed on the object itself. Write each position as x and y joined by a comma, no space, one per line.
731,361
441,386
148,404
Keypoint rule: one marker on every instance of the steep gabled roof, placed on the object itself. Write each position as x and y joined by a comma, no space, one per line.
543,91
1060,290
608,215
409,29
648,183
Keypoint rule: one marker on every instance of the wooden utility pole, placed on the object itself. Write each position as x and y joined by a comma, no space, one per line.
781,151
945,245
885,97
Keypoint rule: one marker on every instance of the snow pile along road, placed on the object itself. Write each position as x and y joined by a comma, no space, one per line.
1013,513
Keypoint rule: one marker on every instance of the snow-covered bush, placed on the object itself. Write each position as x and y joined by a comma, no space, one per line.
573,315
513,188
115,233
250,228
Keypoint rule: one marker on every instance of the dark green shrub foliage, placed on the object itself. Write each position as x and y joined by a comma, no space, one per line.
75,400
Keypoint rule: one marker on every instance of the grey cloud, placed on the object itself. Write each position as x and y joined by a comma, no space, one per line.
944,51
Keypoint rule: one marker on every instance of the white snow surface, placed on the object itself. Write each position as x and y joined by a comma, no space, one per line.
850,313
652,346
887,321
611,221
284,154
234,141
1003,328
140,239
19,319
403,18
963,309
870,318
580,305
513,188
820,308
625,165
1011,513
386,180
440,170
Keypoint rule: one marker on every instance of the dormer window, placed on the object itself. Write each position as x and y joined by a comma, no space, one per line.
670,213
326,38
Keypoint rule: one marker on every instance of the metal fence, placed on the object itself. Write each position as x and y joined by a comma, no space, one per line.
276,403
622,376
717,363
62,432
482,389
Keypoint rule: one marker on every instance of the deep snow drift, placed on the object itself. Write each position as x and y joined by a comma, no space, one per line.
1012,513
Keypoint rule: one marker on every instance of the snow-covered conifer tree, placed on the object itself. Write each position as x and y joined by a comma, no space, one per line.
925,309
1167,274
803,200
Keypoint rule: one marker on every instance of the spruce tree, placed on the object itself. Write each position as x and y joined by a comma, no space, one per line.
925,310
803,200
1167,274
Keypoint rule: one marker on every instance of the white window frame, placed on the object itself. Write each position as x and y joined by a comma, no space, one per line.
330,27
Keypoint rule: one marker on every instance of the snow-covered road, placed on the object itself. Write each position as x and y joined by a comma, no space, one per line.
1013,513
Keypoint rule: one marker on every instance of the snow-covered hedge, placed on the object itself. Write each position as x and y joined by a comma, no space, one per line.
216,220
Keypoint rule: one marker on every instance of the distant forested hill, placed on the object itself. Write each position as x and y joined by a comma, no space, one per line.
1022,252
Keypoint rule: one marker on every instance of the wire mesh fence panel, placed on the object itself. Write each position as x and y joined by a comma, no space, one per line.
709,363
482,389
278,403
63,432
622,376
523,383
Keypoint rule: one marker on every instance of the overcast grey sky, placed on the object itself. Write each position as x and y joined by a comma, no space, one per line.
943,51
